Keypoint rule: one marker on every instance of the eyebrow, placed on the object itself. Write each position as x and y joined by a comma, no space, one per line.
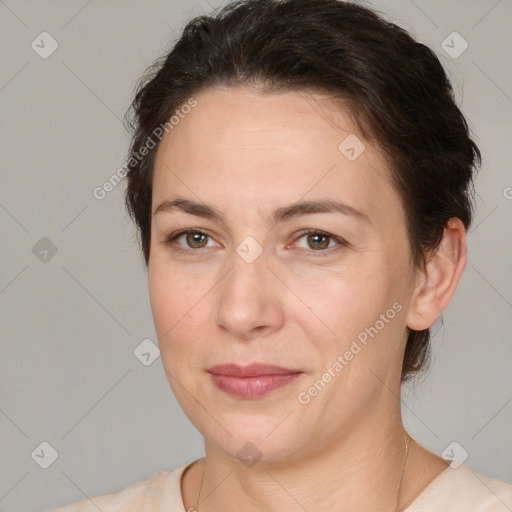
278,215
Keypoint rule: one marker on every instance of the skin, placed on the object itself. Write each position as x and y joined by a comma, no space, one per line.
248,153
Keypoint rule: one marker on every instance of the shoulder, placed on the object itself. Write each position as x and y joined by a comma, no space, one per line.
161,489
464,490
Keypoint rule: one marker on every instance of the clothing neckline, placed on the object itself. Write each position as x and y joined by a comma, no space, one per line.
426,488
421,494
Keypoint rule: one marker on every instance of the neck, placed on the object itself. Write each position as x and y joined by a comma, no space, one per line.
357,471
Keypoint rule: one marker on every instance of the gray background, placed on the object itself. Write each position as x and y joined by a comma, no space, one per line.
69,325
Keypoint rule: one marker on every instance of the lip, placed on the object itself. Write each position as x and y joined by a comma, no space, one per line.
252,370
252,381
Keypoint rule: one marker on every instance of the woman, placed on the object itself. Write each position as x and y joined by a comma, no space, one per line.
301,179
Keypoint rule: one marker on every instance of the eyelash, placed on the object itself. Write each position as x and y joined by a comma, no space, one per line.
316,253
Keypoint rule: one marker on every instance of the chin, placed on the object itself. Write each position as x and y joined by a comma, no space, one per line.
253,438
257,450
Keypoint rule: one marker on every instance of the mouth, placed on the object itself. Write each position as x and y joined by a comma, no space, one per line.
253,381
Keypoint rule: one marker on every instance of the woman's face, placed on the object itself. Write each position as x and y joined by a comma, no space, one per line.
328,305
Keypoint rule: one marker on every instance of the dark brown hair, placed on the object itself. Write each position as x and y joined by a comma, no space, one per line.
397,90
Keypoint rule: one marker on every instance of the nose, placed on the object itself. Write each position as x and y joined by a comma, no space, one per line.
248,302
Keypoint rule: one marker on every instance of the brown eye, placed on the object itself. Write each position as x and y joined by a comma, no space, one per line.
195,239
318,241
189,240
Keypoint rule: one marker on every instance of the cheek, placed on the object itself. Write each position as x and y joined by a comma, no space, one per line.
163,300
172,293
346,321
340,300
179,305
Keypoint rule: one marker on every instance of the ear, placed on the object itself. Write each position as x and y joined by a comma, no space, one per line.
436,284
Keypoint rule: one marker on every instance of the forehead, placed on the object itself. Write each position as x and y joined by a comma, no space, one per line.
240,147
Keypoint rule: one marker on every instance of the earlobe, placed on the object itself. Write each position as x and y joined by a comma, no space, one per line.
437,283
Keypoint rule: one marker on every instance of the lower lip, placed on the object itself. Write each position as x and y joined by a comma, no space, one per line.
252,387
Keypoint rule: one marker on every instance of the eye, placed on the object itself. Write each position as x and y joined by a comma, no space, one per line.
319,241
193,239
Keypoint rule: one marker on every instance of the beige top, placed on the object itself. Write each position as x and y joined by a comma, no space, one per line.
453,490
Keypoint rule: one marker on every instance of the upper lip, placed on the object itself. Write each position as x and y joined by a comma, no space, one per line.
252,370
